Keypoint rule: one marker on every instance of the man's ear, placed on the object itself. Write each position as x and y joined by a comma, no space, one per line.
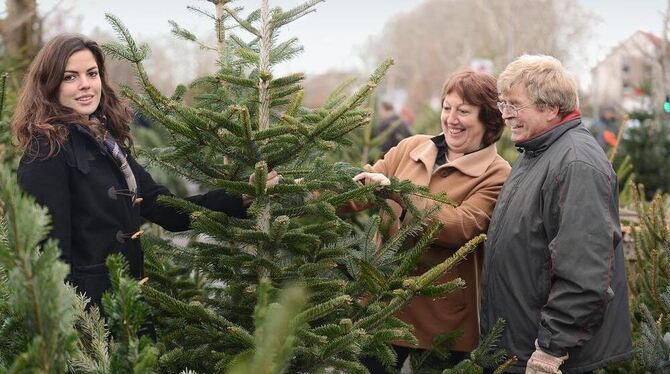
551,113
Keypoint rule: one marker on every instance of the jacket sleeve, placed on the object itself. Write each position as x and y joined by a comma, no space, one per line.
47,180
173,219
389,163
471,217
387,166
581,217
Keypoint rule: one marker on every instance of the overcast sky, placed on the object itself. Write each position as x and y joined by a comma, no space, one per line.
334,35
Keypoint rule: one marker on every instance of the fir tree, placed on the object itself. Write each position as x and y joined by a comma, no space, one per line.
36,307
650,285
244,121
275,333
8,154
45,324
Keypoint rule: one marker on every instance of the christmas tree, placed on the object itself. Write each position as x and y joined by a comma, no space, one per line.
243,121
650,283
340,288
45,323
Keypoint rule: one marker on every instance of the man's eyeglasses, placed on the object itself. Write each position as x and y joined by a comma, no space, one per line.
513,110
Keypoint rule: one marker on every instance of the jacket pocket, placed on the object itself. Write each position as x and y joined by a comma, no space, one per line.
92,281
91,269
456,300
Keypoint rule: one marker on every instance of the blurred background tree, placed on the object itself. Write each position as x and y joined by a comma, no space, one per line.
451,34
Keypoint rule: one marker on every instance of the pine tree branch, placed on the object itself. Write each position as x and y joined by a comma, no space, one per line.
3,92
280,18
245,24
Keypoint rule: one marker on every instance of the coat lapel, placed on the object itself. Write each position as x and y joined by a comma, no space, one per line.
426,153
473,164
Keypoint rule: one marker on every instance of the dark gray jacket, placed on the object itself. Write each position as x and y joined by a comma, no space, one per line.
554,266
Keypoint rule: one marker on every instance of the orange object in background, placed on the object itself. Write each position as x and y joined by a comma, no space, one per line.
610,138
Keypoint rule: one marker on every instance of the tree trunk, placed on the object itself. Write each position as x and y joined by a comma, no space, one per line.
19,29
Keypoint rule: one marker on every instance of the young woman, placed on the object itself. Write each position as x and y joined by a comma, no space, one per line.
75,136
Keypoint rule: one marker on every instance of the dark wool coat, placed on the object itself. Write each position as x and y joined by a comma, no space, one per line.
92,213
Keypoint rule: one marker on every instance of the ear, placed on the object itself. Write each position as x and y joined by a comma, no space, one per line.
551,114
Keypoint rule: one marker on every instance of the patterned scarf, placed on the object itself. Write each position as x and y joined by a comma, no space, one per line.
113,148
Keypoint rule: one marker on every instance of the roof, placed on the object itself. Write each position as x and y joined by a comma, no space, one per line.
651,37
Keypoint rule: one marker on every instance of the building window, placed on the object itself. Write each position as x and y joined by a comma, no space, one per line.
625,64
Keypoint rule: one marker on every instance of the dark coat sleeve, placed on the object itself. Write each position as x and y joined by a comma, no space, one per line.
47,180
581,256
170,218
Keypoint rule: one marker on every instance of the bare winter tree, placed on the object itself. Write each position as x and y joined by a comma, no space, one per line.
439,36
20,29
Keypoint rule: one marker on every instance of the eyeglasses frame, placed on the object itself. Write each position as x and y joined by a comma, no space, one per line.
502,105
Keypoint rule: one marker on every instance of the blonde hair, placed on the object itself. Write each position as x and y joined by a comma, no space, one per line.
545,79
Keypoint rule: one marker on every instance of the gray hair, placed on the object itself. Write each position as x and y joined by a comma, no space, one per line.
547,82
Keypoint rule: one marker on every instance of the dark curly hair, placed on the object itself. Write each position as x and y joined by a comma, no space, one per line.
39,114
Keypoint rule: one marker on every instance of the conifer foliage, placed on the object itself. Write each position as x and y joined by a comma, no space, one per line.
36,307
650,284
325,292
45,324
244,120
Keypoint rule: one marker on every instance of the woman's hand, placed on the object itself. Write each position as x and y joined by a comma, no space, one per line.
380,179
272,179
372,178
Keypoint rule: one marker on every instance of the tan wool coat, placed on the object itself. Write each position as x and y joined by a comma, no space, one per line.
474,182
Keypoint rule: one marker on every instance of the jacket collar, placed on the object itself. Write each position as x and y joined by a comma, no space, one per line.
473,164
83,130
539,144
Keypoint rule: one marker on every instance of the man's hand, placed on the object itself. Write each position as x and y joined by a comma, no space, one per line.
372,178
541,362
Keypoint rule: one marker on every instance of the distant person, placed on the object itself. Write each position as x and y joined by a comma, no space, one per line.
462,161
553,257
606,128
388,118
407,114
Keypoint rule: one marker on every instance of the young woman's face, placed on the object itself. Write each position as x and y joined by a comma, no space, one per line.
81,85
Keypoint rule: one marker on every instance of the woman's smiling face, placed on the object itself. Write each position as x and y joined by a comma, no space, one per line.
81,85
463,130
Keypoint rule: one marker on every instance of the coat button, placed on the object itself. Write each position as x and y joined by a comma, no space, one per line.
120,237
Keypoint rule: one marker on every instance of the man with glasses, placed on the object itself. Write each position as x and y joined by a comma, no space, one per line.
554,267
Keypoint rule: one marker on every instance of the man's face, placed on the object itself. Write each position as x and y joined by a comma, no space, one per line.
528,122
